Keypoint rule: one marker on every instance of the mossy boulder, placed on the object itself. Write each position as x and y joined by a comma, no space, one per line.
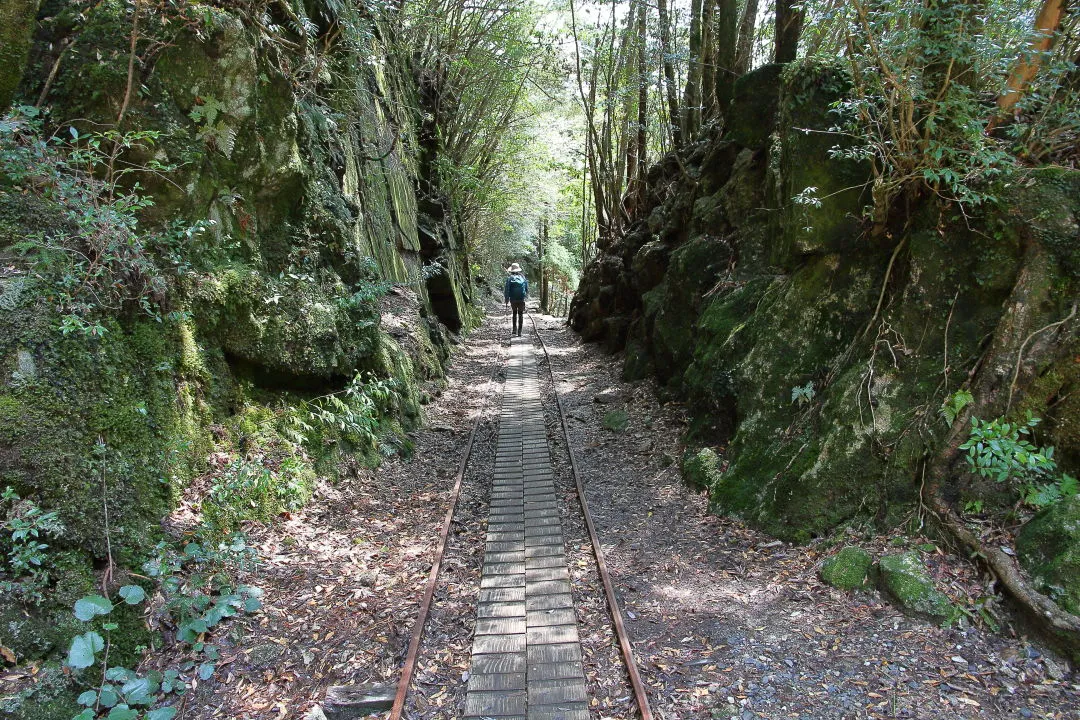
1048,547
87,423
907,581
701,468
847,569
751,117
831,193
51,696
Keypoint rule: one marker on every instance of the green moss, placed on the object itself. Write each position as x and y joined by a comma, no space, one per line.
752,114
16,28
52,696
905,578
615,421
701,468
1049,549
806,164
847,569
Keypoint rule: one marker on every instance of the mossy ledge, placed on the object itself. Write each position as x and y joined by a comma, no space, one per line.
317,267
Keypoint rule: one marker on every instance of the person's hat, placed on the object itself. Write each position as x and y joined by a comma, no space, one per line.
515,268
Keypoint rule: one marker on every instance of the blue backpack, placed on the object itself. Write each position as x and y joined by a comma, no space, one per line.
516,286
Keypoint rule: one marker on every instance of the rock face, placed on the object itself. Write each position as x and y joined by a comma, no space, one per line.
1049,549
308,182
762,310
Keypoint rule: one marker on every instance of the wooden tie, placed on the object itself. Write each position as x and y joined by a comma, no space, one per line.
526,658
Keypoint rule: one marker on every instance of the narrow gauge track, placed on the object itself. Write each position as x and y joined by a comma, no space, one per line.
640,696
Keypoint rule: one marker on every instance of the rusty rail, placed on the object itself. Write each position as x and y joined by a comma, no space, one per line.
429,590
640,696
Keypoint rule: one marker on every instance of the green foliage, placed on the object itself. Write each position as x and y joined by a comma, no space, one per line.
26,572
208,114
917,112
250,490
804,394
198,594
93,260
352,415
999,450
616,420
954,404
1002,451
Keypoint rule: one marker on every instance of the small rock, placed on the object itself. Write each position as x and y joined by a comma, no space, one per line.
609,396
265,655
905,578
1053,669
344,702
847,569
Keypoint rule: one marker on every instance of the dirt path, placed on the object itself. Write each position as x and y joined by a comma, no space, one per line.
727,623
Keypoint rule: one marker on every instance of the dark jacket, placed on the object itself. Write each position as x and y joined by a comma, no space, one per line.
512,289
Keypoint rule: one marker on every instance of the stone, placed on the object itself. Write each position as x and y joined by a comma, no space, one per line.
701,468
755,99
265,655
351,701
906,580
1048,548
847,569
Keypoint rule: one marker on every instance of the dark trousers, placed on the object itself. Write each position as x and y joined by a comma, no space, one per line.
519,315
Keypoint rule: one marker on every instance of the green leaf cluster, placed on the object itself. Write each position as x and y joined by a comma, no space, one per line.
1002,451
25,573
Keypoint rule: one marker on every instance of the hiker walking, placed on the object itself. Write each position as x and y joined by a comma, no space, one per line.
515,292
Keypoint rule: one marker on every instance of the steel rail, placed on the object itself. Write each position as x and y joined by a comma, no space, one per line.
609,588
429,591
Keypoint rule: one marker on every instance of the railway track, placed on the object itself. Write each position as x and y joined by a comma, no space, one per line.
524,661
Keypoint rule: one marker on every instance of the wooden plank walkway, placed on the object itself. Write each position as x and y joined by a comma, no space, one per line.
526,659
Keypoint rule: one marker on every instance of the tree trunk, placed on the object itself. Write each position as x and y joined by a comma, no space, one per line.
691,110
1046,25
543,263
991,386
727,12
643,104
670,88
789,22
17,19
708,61
744,50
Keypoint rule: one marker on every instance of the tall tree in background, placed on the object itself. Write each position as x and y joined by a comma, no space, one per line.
691,109
744,51
789,22
671,90
636,157
727,18
708,61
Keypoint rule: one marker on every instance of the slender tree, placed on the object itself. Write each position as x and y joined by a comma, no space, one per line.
744,51
691,108
727,18
709,109
1047,24
789,22
667,49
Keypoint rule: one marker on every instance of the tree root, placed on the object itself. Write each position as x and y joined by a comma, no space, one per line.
1040,609
993,391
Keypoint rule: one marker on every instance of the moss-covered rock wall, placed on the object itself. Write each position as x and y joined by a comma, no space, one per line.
813,353
285,209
